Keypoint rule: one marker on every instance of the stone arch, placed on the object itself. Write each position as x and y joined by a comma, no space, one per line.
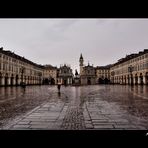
46,81
28,80
106,81
146,78
132,80
11,79
121,78
1,78
25,79
6,79
128,79
141,78
136,79
100,81
89,81
116,79
52,81
16,80
125,79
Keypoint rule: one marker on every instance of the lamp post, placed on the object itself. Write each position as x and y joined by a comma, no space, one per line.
130,70
113,74
22,72
40,74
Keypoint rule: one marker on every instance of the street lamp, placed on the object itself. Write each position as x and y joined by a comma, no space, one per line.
22,72
40,74
113,74
130,70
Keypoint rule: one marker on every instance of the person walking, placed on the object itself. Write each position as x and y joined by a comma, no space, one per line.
59,87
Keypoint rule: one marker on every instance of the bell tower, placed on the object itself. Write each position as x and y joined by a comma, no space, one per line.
81,63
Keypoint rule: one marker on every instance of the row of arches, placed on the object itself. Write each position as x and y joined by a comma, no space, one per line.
141,78
49,81
103,81
14,80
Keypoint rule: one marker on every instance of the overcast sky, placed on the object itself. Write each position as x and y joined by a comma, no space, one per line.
59,41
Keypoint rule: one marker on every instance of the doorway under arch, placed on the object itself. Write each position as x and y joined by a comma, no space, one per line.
88,81
136,79
141,79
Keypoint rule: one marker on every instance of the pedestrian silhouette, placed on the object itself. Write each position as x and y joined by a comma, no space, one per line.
59,94
59,87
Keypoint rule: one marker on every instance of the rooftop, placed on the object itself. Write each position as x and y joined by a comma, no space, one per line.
131,56
13,55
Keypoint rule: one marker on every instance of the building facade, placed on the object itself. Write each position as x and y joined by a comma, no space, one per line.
15,70
87,73
103,74
133,69
65,75
49,74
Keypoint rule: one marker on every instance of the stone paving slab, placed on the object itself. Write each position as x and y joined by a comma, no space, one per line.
94,114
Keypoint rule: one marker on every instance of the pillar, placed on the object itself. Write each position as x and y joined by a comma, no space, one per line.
126,80
13,82
2,81
68,81
19,81
138,79
8,80
144,79
123,80
134,81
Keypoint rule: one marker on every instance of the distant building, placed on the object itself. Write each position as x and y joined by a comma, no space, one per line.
65,75
103,74
16,70
87,73
49,74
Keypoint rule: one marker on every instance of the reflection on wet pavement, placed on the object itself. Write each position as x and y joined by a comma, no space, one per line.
83,107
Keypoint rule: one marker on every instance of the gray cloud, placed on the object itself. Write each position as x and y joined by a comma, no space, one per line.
57,41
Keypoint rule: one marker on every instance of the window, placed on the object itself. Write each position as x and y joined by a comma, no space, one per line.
144,66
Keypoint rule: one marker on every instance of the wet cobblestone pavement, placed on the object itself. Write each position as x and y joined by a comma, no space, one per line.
98,107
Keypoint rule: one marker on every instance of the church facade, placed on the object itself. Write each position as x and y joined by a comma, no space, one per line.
65,75
87,73
90,75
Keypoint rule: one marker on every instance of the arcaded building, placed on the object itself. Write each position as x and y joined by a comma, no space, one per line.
133,69
103,74
49,74
15,70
